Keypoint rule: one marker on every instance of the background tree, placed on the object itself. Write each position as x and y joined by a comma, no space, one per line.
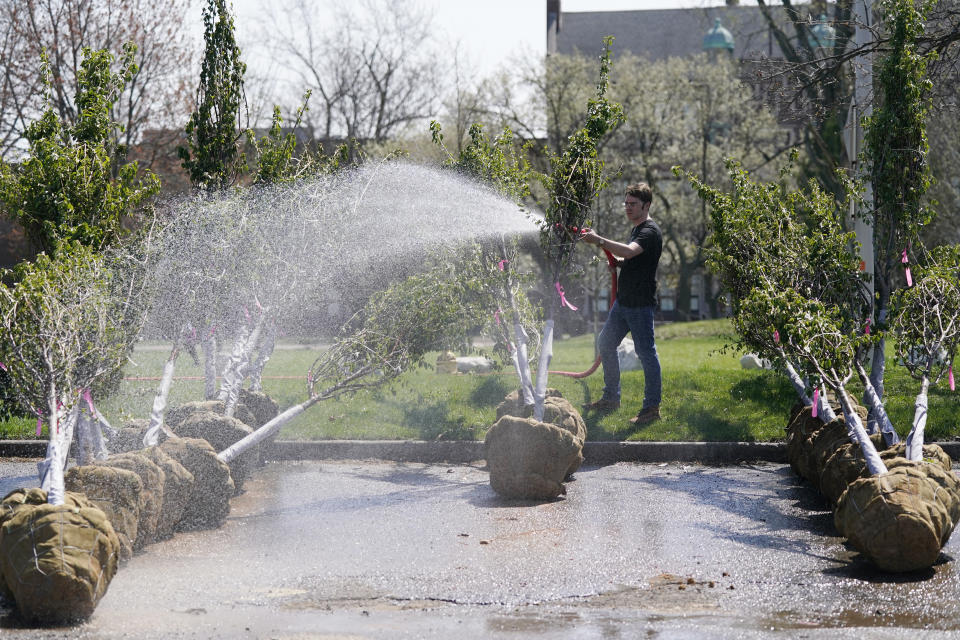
213,155
155,100
373,70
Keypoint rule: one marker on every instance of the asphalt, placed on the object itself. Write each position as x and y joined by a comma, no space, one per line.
459,451
382,549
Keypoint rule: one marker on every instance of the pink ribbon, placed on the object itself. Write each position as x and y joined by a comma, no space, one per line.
905,260
776,336
39,424
501,263
866,328
563,297
496,316
3,366
89,399
816,401
950,378
246,314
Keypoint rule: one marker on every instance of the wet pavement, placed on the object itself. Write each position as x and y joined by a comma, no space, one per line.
393,550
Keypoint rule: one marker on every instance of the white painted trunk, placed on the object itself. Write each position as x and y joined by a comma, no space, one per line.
264,432
210,366
230,369
242,367
266,350
798,384
859,435
915,438
546,354
152,436
526,382
51,468
824,410
875,405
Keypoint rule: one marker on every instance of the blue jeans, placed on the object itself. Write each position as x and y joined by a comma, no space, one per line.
638,321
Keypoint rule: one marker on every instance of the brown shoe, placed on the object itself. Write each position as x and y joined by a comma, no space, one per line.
603,405
646,416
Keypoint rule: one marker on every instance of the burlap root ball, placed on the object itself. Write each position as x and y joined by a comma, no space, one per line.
844,466
57,561
512,404
530,459
209,502
177,486
263,408
151,498
932,453
800,429
8,507
221,432
130,436
948,493
894,519
117,492
178,415
557,411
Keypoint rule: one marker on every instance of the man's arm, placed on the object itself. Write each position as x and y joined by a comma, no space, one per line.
618,249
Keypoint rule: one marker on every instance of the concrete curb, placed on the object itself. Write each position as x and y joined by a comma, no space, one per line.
461,452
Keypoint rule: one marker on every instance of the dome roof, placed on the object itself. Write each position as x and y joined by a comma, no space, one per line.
718,38
822,35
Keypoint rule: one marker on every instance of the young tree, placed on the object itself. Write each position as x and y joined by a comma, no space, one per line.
896,153
926,324
69,323
213,155
575,180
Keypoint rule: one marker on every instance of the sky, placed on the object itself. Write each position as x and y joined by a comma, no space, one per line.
490,34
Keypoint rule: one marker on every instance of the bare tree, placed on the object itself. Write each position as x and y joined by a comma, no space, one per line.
372,66
158,96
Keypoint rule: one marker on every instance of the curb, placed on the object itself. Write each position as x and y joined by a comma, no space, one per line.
463,451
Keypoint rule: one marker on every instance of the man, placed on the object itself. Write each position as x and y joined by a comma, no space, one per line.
633,310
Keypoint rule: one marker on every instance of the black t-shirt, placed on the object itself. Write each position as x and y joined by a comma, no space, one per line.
637,285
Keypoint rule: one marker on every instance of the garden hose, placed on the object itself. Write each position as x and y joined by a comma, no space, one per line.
612,262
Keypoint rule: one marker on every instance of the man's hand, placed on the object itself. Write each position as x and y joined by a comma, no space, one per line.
590,237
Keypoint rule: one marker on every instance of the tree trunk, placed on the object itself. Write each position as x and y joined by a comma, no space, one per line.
876,409
915,439
859,435
210,366
152,436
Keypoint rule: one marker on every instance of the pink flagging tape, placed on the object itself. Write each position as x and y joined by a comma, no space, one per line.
496,316
776,336
866,327
3,366
563,298
816,401
950,378
905,260
502,263
39,424
89,399
909,277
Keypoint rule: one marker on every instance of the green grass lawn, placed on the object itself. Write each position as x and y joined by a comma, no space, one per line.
707,396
